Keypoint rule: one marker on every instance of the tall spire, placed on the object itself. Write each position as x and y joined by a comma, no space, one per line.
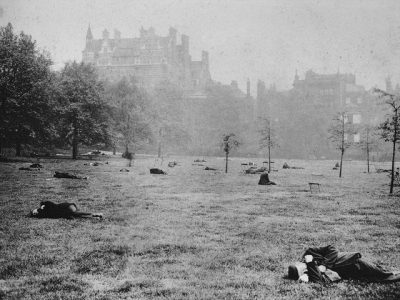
89,35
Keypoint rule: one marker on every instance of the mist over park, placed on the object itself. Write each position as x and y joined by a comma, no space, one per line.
199,150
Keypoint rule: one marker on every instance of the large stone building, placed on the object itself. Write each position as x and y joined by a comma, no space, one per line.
303,115
333,93
150,58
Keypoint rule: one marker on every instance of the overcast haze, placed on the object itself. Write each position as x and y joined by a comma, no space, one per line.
246,39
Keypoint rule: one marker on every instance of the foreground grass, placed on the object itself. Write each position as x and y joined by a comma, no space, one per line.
192,234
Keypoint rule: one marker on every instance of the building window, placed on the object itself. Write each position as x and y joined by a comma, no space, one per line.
356,119
356,138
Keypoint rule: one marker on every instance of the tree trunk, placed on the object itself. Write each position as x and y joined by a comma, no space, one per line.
114,150
394,151
74,149
342,147
341,163
269,158
159,143
269,146
367,155
18,147
226,162
392,171
75,143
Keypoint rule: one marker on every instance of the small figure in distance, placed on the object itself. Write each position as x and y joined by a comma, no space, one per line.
157,171
67,175
264,180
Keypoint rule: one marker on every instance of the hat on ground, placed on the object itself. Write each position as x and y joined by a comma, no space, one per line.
296,270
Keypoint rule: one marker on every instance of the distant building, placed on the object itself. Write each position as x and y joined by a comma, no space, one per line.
334,93
150,58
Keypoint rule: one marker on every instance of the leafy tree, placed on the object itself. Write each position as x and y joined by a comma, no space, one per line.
25,89
169,109
129,114
390,127
340,131
229,142
268,138
81,106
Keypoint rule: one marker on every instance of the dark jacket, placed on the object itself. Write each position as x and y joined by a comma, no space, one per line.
49,209
330,257
346,265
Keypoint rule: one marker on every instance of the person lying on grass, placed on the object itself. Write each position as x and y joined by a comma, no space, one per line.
66,210
327,264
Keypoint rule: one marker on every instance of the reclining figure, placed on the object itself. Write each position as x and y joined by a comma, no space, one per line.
157,171
66,210
327,264
67,175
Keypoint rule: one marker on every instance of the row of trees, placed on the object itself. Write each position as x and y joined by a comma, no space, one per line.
40,108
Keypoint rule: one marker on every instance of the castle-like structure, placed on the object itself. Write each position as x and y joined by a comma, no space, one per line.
150,58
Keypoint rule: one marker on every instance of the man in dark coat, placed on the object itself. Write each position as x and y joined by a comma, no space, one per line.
321,261
66,210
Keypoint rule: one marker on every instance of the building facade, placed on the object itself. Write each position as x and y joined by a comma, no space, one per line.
333,93
150,58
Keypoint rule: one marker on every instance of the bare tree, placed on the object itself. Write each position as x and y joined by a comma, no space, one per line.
390,127
229,142
268,138
340,131
368,142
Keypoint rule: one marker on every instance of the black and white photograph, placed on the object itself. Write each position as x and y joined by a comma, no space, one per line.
199,149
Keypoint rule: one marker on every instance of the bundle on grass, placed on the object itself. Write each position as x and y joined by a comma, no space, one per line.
255,170
67,175
66,210
172,164
95,164
286,166
210,169
157,171
32,167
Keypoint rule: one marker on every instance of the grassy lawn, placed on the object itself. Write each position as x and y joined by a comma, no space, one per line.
191,234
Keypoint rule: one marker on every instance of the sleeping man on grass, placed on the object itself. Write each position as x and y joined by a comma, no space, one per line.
327,264
65,210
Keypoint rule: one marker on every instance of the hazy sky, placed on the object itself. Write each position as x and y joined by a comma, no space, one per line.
253,39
